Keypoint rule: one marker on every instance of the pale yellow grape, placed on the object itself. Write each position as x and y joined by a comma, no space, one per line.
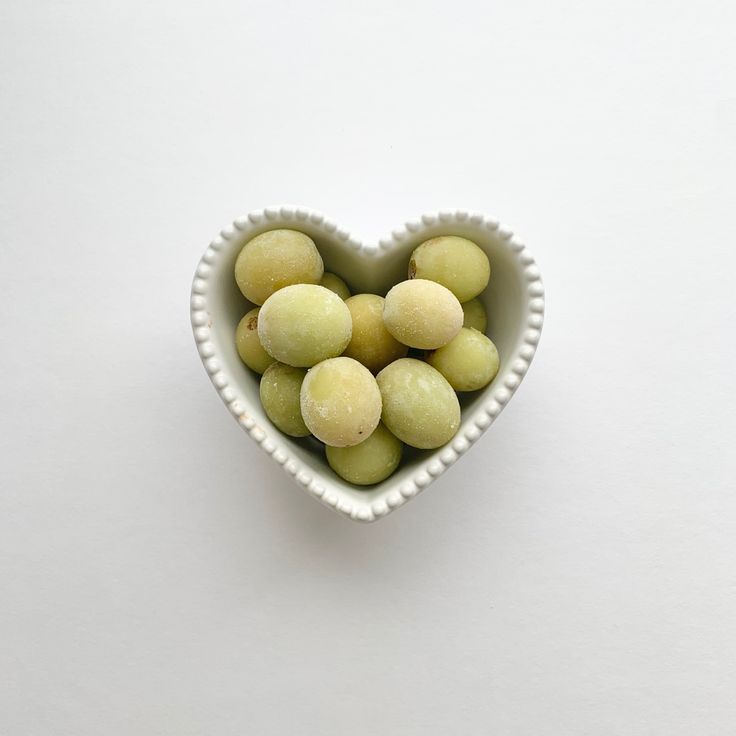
475,315
275,259
304,324
371,344
457,263
280,389
422,314
468,362
249,347
369,462
419,405
334,283
340,402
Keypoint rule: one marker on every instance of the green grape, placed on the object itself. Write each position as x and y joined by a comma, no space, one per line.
422,314
340,401
371,344
249,347
304,324
334,283
419,405
280,388
457,263
475,315
468,362
368,462
275,259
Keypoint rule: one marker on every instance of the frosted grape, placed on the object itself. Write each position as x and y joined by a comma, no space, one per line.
280,390
422,314
304,324
368,462
335,284
474,314
371,343
419,405
275,259
249,347
468,362
457,263
340,402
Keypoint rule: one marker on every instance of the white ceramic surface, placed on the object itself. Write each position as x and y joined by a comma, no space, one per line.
514,300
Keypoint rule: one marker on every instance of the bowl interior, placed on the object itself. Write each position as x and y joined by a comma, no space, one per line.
365,269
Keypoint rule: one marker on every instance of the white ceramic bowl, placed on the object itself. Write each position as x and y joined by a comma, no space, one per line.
514,300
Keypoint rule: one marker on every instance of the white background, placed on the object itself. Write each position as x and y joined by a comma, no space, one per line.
574,574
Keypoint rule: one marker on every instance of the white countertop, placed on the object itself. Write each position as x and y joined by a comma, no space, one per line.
159,576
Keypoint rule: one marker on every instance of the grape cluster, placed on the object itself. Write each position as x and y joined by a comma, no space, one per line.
335,366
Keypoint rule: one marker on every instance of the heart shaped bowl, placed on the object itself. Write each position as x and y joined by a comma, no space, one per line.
514,300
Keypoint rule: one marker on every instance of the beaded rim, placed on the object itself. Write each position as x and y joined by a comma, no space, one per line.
495,397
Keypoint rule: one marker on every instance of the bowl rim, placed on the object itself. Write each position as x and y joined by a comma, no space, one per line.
473,426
